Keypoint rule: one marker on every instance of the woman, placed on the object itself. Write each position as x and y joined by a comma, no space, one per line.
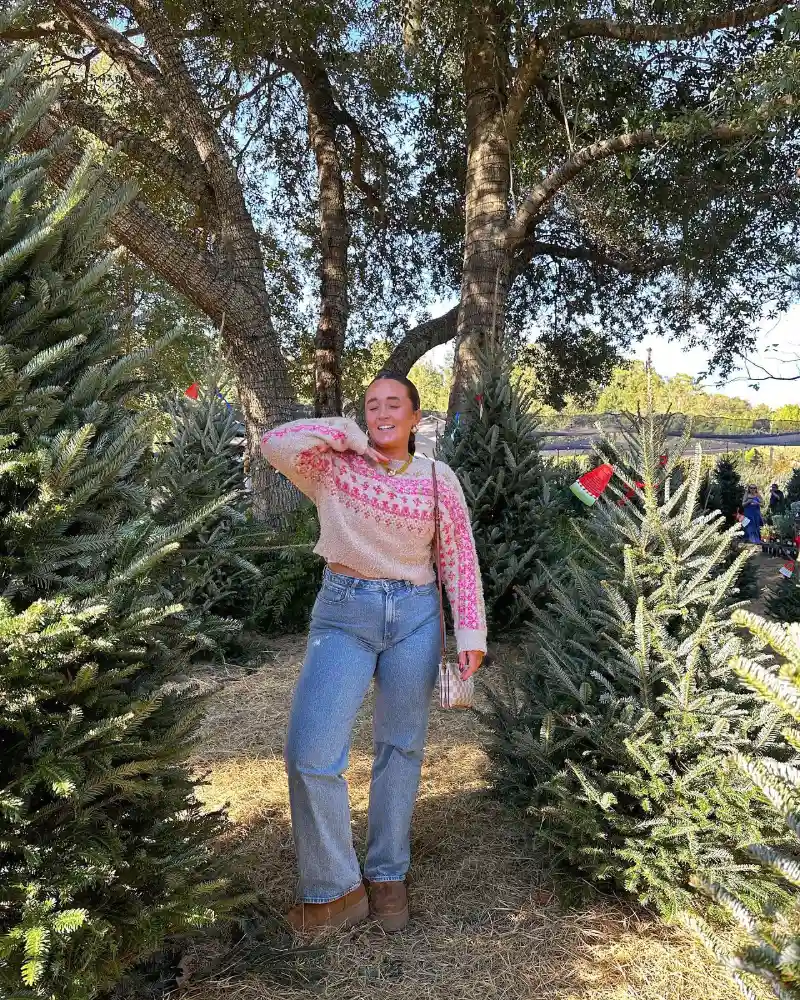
751,508
777,499
377,615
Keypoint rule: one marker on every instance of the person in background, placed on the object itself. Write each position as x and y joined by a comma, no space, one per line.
377,615
777,500
751,508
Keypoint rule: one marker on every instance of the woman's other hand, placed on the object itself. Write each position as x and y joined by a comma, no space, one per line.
469,662
375,456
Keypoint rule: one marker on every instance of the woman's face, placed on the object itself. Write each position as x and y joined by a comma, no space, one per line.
390,414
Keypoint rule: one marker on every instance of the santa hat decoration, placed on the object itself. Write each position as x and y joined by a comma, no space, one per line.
193,391
588,487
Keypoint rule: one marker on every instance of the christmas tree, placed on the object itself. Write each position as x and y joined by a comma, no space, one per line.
793,487
771,948
103,848
726,489
215,572
748,586
705,494
783,600
518,509
616,735
291,575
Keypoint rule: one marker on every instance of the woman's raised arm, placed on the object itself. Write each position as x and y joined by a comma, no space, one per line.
301,450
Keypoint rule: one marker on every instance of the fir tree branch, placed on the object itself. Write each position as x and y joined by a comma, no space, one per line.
137,227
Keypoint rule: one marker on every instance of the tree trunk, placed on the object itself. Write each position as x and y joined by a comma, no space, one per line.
229,286
236,303
335,242
266,399
487,260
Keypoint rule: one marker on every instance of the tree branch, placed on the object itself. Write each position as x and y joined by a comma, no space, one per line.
240,241
530,249
371,194
188,269
599,27
531,66
47,29
232,106
420,340
323,117
538,198
308,70
141,71
767,375
191,183
527,74
436,332
117,47
545,191
553,103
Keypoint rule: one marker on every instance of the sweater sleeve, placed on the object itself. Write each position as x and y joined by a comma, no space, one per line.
461,573
303,450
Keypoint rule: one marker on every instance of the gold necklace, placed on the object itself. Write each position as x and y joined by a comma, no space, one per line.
402,469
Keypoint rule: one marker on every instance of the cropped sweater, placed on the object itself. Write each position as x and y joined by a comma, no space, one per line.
382,526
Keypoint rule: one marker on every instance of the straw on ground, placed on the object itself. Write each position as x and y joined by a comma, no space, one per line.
486,925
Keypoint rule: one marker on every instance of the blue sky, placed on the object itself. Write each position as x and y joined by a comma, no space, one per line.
673,358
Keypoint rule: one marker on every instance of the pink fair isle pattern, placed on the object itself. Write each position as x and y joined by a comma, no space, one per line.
315,464
318,430
459,563
357,503
312,463
460,566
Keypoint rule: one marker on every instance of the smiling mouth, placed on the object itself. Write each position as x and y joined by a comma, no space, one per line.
386,427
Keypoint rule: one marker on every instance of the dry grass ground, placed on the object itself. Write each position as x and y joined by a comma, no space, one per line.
485,925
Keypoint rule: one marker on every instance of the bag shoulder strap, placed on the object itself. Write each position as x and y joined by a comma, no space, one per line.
437,549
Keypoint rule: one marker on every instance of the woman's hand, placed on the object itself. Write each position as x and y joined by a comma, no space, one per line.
375,456
469,662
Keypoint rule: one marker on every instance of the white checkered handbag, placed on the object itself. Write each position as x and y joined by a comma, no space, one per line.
454,691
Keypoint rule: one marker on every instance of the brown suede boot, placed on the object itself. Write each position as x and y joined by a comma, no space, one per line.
347,911
388,904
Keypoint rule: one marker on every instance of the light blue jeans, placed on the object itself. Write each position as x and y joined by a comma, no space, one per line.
360,629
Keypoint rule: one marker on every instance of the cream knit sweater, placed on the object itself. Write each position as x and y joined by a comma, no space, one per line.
382,526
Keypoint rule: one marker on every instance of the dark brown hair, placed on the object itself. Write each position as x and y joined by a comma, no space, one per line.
413,395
